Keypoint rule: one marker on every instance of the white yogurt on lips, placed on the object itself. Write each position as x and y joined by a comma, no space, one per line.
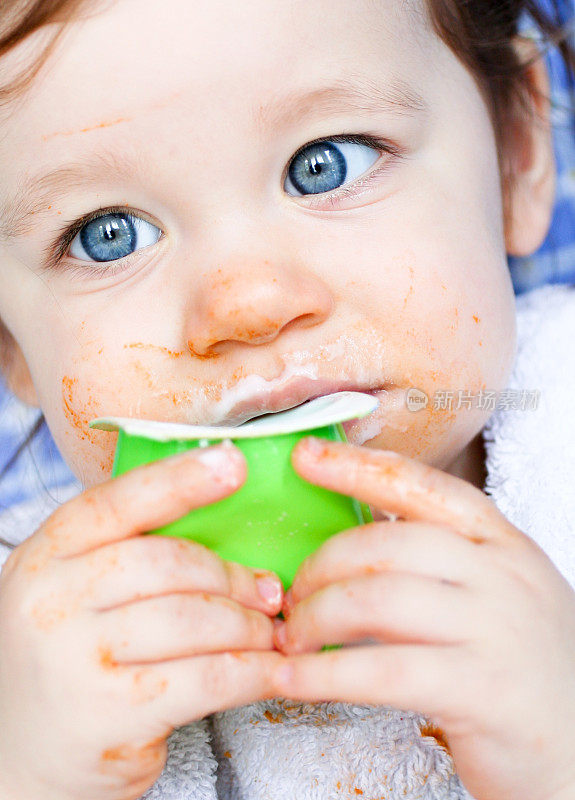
362,430
254,385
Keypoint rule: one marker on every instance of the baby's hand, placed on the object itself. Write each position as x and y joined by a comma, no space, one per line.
109,640
474,626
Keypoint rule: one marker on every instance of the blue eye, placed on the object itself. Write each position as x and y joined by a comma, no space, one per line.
113,236
326,165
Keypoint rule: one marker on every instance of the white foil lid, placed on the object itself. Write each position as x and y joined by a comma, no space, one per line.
327,410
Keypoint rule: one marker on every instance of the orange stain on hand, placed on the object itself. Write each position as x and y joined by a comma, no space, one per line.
47,618
105,658
147,686
127,752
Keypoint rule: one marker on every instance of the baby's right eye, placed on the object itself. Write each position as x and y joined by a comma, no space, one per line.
112,236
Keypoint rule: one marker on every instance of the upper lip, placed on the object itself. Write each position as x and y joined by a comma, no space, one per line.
289,394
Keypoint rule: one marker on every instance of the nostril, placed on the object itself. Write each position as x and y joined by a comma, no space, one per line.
198,352
303,321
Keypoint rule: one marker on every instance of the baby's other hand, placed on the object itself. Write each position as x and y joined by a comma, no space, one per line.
473,625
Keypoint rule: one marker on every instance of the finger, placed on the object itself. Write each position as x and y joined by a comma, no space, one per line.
145,566
187,689
409,547
403,486
180,625
416,677
145,498
390,608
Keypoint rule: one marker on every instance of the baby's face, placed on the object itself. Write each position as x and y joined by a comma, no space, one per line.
314,204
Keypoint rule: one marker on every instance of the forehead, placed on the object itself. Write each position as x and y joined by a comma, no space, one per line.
128,68
129,56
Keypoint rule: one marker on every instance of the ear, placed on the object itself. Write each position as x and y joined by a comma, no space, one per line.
531,161
15,370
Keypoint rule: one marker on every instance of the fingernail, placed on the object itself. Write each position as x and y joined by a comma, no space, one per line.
269,589
315,446
222,462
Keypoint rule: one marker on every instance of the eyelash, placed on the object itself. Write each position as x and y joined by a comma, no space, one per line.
56,252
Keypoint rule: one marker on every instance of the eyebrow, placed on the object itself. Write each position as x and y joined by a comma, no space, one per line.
38,192
361,95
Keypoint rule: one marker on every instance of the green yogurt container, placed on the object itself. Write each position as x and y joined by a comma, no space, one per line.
276,519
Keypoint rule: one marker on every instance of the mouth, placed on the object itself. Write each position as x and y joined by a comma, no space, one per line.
245,403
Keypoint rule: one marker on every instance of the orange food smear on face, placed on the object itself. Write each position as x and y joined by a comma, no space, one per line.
85,130
78,419
166,350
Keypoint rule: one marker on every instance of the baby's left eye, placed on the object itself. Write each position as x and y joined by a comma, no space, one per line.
326,165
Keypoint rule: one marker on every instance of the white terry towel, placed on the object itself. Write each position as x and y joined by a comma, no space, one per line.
284,750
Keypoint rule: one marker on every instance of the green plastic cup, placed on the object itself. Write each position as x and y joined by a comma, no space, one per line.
276,519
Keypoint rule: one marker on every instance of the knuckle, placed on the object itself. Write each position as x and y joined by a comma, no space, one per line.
258,627
107,507
237,581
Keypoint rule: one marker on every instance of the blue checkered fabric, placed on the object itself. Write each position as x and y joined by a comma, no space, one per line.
554,262
40,468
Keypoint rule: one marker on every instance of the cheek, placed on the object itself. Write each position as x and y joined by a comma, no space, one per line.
135,379
448,321
94,383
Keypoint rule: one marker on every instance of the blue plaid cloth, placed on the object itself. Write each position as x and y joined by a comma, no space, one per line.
554,262
40,467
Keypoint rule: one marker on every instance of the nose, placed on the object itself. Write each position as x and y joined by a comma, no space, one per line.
253,303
